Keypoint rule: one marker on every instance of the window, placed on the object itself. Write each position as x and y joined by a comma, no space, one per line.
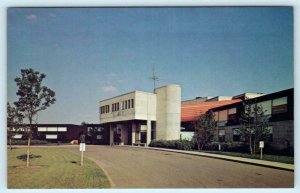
54,129
128,104
223,115
125,104
17,136
267,106
221,135
62,129
270,137
216,116
236,134
132,103
113,107
41,129
279,105
232,114
51,136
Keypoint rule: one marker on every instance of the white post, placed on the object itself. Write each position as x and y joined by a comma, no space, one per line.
261,146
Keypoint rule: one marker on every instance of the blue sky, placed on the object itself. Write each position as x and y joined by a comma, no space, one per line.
93,54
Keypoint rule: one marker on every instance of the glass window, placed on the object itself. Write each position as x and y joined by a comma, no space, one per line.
267,107
232,111
51,136
41,129
216,116
236,134
128,104
52,129
280,101
62,129
221,135
132,103
125,104
223,115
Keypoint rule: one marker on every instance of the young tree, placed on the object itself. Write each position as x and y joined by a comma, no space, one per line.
14,120
254,124
205,128
32,98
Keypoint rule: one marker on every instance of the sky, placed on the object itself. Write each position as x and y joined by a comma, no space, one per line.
91,54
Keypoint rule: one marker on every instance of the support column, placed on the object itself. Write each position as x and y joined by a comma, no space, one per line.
133,128
148,132
111,134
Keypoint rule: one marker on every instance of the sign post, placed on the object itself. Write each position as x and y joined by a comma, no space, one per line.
82,149
261,146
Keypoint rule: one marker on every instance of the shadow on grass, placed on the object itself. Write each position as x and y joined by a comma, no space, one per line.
75,162
23,157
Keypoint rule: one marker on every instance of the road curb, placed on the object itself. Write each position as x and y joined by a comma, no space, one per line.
263,163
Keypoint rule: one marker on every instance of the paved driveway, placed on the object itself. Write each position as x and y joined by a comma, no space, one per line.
129,167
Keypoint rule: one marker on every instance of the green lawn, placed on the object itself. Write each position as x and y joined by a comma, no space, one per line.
53,168
275,158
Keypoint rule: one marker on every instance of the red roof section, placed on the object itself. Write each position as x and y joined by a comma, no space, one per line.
192,111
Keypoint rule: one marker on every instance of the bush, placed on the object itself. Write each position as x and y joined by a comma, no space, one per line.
228,146
25,142
172,144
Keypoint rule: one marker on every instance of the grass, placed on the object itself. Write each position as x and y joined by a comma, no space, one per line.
53,168
275,158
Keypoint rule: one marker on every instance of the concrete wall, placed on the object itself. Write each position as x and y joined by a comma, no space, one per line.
144,107
168,112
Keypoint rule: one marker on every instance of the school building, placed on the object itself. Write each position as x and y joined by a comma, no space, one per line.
138,117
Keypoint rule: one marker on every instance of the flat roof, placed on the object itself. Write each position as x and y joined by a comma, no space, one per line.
126,94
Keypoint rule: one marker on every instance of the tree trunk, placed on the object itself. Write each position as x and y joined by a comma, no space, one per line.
250,143
28,152
254,147
10,147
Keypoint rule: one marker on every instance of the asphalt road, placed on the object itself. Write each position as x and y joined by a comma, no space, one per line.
141,168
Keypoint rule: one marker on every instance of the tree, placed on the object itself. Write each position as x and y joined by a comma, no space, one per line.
32,98
14,120
254,124
205,128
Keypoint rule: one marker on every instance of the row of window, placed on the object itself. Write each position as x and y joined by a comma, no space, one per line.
52,129
236,134
228,114
104,109
126,104
275,106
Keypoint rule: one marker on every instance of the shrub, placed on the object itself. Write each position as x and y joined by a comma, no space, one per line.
228,146
173,144
25,142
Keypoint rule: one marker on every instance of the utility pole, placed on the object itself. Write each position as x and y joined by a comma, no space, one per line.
154,78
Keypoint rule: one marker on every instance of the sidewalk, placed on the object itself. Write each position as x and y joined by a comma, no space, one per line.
264,163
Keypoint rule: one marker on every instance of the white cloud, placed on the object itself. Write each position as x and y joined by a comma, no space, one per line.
109,88
31,17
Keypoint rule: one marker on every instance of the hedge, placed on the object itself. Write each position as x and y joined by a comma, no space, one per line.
173,144
25,142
